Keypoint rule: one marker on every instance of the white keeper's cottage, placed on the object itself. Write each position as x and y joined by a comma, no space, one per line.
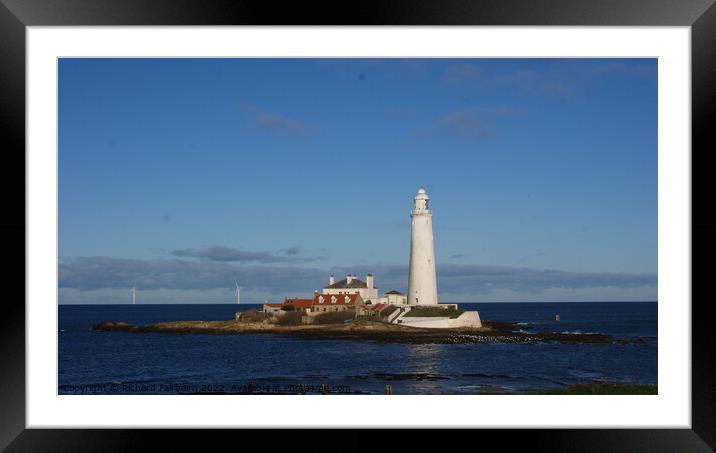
353,285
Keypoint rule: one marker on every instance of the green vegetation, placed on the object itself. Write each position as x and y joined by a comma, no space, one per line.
253,315
428,312
334,317
586,388
388,311
290,318
607,388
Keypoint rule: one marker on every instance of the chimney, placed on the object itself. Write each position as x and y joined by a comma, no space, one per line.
331,280
369,280
349,279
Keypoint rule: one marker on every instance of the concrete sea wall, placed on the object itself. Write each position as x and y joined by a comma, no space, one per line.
467,319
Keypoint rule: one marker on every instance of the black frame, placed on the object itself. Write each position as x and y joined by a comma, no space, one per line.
15,15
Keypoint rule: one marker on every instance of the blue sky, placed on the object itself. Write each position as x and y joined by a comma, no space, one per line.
183,173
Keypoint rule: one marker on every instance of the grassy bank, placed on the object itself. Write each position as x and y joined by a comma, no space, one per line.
430,312
607,388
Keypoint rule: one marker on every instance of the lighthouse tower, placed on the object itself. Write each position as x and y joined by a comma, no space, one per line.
422,284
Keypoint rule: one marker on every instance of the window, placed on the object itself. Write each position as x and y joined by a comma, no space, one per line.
333,299
320,299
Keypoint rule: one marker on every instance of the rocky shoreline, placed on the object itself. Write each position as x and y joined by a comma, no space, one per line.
490,332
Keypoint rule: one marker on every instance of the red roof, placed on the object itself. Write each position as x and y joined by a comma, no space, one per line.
380,307
273,305
336,299
298,303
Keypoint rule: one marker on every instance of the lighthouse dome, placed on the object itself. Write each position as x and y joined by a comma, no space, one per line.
421,194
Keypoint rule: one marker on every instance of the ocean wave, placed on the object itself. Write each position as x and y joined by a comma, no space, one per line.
489,375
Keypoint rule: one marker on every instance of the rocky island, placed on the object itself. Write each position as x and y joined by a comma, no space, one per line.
367,330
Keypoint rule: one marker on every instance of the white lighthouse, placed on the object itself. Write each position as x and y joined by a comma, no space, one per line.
422,284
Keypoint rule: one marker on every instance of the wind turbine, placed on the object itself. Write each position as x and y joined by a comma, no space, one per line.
238,292
134,292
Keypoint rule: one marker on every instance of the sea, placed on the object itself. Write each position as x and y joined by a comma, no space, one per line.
94,362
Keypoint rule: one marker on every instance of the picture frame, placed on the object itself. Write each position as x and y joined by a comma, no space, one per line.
700,16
